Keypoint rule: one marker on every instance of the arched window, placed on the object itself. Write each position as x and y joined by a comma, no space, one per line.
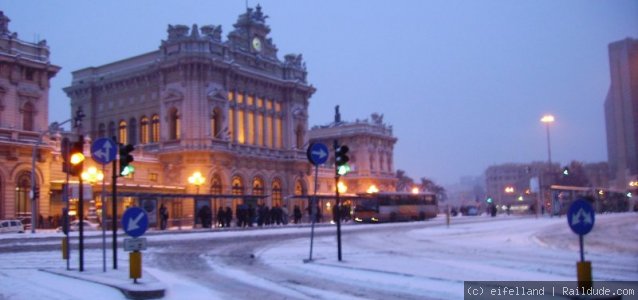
216,123
155,129
23,187
28,116
174,124
132,131
101,130
258,186
299,136
276,192
144,130
237,186
216,185
299,188
123,134
111,129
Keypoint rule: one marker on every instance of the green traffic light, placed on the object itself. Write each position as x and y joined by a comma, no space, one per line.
127,170
343,169
489,200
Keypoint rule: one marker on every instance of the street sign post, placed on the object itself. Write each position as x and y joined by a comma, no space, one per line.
317,153
103,150
581,218
135,221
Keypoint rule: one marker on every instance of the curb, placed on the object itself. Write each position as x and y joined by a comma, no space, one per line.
149,289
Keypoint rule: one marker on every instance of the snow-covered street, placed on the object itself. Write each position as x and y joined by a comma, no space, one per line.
420,260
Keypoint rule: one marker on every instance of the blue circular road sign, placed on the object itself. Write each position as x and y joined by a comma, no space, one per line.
317,153
103,150
135,221
581,217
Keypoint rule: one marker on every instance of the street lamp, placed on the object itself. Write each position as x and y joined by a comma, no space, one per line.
548,120
92,176
197,179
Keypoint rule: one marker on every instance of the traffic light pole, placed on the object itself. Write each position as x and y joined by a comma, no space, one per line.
337,205
114,211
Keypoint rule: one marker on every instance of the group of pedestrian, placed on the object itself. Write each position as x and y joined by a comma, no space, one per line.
205,216
224,216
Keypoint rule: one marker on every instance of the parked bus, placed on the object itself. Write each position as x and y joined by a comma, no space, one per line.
392,207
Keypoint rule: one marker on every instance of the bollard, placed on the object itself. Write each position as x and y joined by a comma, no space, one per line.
135,265
583,273
65,246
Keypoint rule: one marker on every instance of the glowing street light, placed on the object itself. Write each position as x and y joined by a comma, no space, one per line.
196,179
509,189
415,190
342,187
92,175
372,189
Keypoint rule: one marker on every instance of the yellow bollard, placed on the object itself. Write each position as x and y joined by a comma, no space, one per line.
65,246
135,265
583,273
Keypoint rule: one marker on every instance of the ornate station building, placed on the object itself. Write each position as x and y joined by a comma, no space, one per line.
227,111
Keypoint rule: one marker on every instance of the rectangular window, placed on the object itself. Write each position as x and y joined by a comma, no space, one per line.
277,107
280,136
251,127
268,104
240,98
260,102
153,177
269,132
231,124
260,130
250,101
241,137
231,96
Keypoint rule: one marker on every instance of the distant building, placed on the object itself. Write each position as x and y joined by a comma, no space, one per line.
371,154
621,113
25,71
509,184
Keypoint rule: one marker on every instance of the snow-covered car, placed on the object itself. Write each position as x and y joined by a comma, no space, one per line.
11,226
75,226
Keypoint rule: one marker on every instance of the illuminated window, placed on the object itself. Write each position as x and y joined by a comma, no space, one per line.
269,131
260,129
231,124
268,104
258,186
231,96
299,188
276,192
237,189
280,135
28,116
144,130
277,107
155,129
240,98
123,134
153,177
250,100
251,127
241,137
216,185
260,102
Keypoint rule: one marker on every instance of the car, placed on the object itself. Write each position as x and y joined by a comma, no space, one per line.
75,226
7,226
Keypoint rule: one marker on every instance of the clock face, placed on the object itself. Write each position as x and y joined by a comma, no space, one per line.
256,44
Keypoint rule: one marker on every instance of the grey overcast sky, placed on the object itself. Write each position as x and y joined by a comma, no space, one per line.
463,83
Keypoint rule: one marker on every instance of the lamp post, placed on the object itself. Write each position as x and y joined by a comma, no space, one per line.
548,120
196,179
92,176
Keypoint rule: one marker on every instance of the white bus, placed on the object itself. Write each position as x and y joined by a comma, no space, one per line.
395,206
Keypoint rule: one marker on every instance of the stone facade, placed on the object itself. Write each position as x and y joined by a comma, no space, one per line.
25,71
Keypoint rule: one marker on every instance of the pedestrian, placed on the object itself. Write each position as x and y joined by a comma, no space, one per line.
284,214
220,217
297,214
163,217
228,216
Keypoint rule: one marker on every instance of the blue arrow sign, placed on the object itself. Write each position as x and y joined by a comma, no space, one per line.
103,150
581,217
317,153
135,221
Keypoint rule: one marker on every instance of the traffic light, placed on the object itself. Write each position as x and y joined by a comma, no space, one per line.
126,159
565,171
341,159
489,200
76,157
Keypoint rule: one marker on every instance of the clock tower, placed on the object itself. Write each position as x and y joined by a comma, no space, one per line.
251,34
